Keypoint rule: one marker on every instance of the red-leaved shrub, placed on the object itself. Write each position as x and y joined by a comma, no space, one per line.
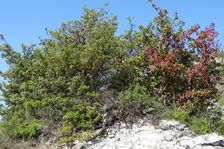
182,62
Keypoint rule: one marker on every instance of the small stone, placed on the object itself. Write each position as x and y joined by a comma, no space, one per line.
165,124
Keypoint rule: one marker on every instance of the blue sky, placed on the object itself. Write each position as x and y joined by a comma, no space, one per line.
24,21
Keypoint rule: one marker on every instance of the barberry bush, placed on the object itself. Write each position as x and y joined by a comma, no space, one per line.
179,64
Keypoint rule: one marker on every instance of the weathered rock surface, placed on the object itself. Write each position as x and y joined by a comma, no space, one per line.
168,134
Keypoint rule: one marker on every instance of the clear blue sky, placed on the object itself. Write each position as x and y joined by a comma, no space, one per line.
23,21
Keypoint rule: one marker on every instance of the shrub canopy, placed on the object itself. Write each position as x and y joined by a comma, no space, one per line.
62,80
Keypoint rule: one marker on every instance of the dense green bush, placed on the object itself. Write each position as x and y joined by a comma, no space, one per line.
55,81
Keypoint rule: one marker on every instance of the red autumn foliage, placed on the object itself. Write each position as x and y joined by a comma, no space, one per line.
187,65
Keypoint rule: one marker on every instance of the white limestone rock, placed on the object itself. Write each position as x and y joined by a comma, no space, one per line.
168,134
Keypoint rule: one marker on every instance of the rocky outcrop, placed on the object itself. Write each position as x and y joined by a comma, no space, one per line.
168,134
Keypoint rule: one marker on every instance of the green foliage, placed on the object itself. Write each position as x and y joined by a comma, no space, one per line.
201,125
173,113
3,137
55,81
64,79
26,129
136,101
220,60
181,115
221,101
220,127
77,136
30,129
82,117
66,140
